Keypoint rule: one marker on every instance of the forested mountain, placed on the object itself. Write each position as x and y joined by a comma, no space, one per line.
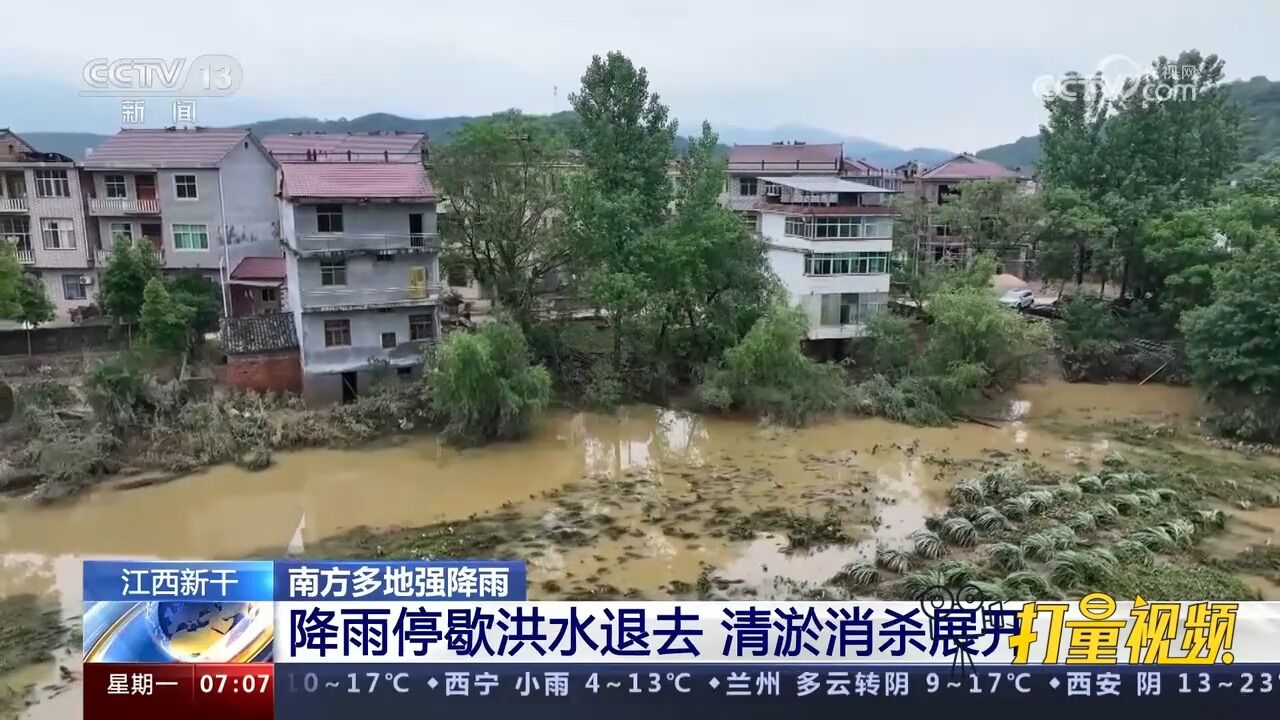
1258,100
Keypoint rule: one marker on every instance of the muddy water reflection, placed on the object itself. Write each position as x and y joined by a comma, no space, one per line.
226,512
897,475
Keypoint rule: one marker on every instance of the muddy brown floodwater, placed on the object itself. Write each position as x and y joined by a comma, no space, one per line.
898,473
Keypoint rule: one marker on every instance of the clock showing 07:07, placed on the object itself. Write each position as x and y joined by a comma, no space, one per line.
217,683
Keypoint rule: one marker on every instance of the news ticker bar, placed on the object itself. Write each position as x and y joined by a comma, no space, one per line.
567,692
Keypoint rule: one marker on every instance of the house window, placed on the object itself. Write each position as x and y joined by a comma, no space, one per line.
771,188
329,218
270,295
52,183
16,230
184,187
404,372
116,187
797,227
73,288
388,340
866,263
337,333
333,272
420,327
190,237
58,233
747,186
121,231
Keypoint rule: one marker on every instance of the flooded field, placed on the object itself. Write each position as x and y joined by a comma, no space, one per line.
648,502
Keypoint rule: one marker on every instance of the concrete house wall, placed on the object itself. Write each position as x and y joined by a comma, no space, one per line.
372,281
52,265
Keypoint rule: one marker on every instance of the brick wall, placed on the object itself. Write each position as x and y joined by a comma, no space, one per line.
280,371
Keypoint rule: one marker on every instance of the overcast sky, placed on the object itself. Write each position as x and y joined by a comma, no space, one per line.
950,73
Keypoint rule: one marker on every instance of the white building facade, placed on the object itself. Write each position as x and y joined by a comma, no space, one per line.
829,242
828,225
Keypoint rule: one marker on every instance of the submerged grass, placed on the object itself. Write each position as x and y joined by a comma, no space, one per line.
30,632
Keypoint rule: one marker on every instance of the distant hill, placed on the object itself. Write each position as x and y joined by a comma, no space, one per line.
1021,153
1257,98
874,151
439,130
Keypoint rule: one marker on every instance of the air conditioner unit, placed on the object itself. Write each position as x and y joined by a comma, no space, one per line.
86,279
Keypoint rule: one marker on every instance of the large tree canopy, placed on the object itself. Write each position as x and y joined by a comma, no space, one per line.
503,178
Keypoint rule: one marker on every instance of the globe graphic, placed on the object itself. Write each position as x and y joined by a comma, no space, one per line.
199,631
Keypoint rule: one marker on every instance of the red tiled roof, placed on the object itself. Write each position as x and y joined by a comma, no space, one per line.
969,167
299,143
782,157
165,148
394,180
259,268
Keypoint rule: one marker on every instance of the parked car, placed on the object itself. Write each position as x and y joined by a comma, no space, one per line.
1020,299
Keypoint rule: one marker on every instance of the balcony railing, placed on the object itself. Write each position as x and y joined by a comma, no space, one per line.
102,256
26,256
358,297
365,242
123,206
13,204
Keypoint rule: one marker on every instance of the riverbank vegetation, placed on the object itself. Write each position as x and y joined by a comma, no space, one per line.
1137,193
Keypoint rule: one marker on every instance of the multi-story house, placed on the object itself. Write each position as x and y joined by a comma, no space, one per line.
362,265
829,230
829,242
204,198
940,243
42,215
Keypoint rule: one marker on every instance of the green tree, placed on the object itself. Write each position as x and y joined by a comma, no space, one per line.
34,306
202,296
1075,238
133,265
767,372
483,385
969,328
625,141
1182,251
995,217
1233,343
1154,148
10,281
1072,141
707,277
504,180
166,322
